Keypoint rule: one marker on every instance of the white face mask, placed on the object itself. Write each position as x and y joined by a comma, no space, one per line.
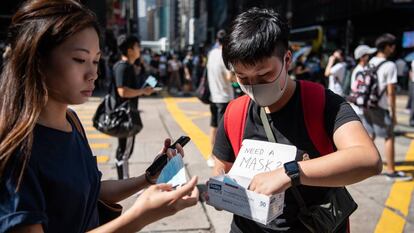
266,94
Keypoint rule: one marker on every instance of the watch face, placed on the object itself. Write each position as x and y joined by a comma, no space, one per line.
291,167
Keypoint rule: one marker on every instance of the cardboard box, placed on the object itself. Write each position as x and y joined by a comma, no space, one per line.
230,191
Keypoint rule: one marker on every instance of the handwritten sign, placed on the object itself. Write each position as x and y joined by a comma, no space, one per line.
259,156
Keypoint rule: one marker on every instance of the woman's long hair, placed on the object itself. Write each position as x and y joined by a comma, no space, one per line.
36,29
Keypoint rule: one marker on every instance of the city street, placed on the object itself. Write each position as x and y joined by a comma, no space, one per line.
384,206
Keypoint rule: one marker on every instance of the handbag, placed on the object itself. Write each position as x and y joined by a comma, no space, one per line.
331,213
203,91
115,117
106,211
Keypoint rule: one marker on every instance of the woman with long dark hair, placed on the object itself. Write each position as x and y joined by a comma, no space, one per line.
49,180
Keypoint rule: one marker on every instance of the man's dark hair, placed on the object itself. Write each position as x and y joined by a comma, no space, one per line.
126,42
255,35
384,40
221,34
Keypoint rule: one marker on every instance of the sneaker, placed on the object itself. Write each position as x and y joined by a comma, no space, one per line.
210,161
398,176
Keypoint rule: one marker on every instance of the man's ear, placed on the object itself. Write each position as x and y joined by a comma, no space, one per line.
288,59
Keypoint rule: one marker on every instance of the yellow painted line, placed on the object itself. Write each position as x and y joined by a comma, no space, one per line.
90,128
200,139
86,122
87,118
98,136
186,100
102,158
399,199
99,145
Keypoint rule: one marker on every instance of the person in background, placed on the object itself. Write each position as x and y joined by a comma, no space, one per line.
221,90
381,120
174,82
411,94
402,73
188,65
129,88
49,179
335,71
361,55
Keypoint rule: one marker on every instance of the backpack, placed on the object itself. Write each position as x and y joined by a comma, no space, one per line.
313,104
365,90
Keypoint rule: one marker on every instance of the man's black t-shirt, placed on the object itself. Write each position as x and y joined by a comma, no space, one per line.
125,77
289,128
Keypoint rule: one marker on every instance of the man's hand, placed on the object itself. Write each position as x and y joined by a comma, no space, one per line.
148,90
270,183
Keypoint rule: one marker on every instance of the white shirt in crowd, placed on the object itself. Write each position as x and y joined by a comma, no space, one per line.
220,88
337,77
387,74
358,110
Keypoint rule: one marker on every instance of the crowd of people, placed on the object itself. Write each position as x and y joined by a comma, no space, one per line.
53,62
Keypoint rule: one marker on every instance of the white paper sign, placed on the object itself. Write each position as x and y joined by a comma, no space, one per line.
174,172
259,156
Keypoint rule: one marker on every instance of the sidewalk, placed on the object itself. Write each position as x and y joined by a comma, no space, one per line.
371,195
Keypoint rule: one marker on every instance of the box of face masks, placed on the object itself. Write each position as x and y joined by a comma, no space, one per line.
230,191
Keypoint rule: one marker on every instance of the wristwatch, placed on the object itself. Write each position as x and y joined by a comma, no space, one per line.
293,171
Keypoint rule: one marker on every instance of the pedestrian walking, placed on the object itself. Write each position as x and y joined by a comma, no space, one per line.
221,90
49,179
129,88
256,50
381,120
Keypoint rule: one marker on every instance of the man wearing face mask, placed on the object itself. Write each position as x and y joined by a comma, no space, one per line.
256,50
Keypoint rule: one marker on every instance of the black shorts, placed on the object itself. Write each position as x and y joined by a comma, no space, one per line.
217,112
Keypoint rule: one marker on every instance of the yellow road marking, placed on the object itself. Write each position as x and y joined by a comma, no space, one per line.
98,136
90,128
186,100
86,123
200,139
102,158
399,199
85,118
99,145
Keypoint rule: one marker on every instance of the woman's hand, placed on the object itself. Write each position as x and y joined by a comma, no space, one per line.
160,201
270,183
169,152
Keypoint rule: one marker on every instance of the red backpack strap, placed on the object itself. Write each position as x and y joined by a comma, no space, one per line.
235,120
313,104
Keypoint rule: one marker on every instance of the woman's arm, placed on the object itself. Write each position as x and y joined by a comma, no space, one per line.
356,159
35,228
113,191
157,202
